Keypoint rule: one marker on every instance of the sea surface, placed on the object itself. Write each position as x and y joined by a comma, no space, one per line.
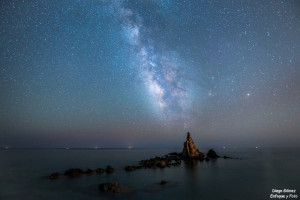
23,174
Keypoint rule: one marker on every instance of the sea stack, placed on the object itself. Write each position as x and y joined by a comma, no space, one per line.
190,150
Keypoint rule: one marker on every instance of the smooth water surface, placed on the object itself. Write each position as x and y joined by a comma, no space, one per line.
23,174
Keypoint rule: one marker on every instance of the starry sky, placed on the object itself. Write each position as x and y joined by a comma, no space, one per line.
143,73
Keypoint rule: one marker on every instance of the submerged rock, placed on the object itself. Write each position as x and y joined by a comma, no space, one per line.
212,154
109,187
190,150
115,187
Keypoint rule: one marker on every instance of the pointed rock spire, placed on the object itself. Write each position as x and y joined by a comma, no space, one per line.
190,150
189,136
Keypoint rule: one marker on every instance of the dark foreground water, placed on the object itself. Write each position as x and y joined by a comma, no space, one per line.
22,174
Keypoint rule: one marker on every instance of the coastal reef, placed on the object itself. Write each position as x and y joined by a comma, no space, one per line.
189,153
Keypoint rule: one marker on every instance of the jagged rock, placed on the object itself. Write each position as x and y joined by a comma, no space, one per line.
212,154
207,158
190,150
74,172
109,169
55,175
109,187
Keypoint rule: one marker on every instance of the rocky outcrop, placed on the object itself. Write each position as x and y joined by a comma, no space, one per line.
212,154
190,150
190,155
76,172
169,160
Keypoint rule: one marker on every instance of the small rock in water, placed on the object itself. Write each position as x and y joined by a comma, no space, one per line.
109,187
212,154
74,172
109,169
207,158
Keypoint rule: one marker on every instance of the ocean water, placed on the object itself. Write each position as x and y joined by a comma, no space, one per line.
23,174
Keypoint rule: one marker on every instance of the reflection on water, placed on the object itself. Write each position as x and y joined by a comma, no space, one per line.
23,174
191,164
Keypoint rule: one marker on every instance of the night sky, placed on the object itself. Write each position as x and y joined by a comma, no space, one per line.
143,73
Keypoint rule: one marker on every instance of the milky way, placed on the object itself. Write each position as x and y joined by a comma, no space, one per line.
159,72
143,73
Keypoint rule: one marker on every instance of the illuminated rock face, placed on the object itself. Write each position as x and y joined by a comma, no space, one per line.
190,150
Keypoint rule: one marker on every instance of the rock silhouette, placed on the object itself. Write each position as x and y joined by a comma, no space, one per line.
212,154
169,160
74,172
190,155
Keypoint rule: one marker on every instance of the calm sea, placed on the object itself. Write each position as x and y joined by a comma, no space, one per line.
22,174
